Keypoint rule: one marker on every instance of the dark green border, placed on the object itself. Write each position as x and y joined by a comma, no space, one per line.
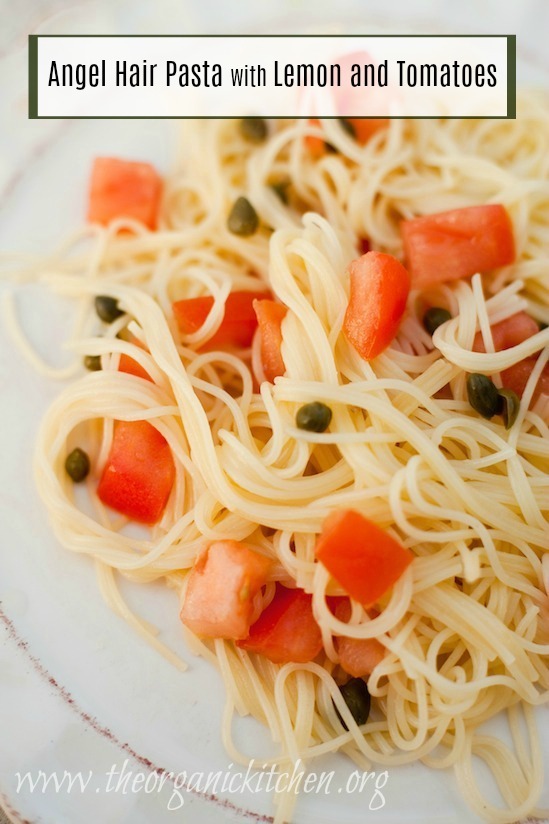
33,74
33,77
511,76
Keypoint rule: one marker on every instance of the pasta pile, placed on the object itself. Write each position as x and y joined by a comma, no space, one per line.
466,627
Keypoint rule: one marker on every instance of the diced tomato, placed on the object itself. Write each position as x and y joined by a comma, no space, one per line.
316,146
286,630
456,244
363,558
222,586
509,332
379,290
357,656
363,128
367,127
139,472
239,321
516,377
124,188
129,365
270,316
132,367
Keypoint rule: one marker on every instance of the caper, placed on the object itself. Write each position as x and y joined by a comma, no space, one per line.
253,129
280,188
542,325
483,395
510,408
435,317
314,417
123,334
348,127
243,219
77,465
107,308
356,695
93,362
364,245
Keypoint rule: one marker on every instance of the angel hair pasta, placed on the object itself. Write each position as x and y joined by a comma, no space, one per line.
317,371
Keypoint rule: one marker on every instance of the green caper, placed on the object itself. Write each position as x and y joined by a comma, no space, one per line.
435,317
542,325
483,395
314,417
347,127
107,308
77,465
510,408
280,188
93,362
356,695
253,129
243,219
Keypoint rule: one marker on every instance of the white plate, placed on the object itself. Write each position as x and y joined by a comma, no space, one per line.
79,691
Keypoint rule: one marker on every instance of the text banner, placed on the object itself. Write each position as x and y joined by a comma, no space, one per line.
85,76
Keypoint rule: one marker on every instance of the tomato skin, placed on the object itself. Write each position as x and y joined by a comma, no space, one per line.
379,290
357,656
222,586
367,127
363,127
139,472
286,630
132,367
316,146
509,332
449,245
239,321
361,556
124,188
516,377
270,316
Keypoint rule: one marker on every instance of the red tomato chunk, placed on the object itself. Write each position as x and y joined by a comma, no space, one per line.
315,145
139,472
456,244
222,586
357,656
365,127
363,558
124,188
286,630
270,316
516,378
239,321
379,290
508,333
132,367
